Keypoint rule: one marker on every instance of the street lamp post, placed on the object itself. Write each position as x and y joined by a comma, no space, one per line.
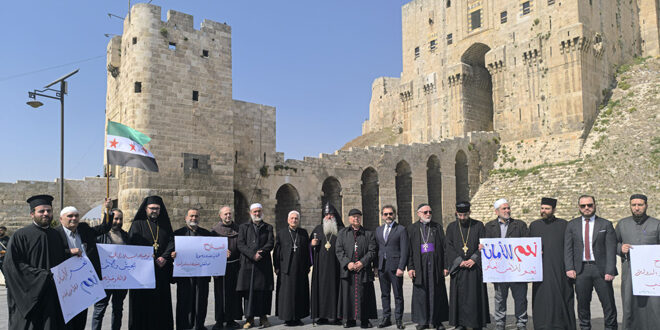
59,95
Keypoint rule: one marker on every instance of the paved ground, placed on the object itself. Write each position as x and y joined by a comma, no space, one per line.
597,312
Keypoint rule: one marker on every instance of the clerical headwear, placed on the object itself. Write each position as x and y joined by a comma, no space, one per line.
154,200
549,201
421,205
163,216
463,207
499,203
638,196
37,200
68,209
354,212
329,209
256,206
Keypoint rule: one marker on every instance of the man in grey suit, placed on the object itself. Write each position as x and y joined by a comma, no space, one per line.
590,258
392,240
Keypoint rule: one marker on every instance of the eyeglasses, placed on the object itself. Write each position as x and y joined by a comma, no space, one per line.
426,212
388,213
590,205
154,208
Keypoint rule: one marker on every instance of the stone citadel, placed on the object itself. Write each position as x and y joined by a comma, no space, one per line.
477,77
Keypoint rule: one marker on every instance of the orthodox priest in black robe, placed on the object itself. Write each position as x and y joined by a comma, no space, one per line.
255,278
552,300
31,294
356,250
426,262
152,308
228,302
468,297
192,293
291,262
325,273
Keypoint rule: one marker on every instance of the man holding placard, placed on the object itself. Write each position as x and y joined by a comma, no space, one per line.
639,312
192,293
506,227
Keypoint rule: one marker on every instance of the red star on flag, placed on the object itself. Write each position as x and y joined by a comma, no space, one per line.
133,147
145,150
113,143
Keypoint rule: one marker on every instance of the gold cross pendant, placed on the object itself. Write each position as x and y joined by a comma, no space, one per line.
465,249
156,246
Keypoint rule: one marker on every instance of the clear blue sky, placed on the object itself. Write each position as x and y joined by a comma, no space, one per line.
313,60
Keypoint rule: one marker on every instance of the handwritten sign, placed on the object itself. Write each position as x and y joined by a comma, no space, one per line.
200,256
645,270
512,259
78,286
127,266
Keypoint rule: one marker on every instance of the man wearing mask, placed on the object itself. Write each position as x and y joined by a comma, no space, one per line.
192,293
228,306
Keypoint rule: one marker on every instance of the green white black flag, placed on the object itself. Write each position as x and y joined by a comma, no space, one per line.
125,147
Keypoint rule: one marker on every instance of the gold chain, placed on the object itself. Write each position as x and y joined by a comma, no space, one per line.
155,238
468,236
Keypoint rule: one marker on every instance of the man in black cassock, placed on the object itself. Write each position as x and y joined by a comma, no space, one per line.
228,305
356,250
192,293
552,299
291,262
426,265
255,278
31,294
4,241
325,273
152,308
468,297
80,238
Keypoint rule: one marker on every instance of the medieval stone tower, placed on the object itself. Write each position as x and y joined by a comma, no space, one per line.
526,69
174,83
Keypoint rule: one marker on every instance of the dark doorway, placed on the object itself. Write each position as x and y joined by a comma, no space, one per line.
477,91
287,200
241,211
403,184
461,172
370,199
331,192
434,187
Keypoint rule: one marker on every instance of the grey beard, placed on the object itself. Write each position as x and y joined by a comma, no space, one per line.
255,219
329,227
422,220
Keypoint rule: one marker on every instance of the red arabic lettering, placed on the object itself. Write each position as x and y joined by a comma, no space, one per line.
209,247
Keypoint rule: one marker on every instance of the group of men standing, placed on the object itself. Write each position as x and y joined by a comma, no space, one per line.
578,257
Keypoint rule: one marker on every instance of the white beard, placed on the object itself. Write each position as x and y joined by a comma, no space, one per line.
330,227
254,218
425,221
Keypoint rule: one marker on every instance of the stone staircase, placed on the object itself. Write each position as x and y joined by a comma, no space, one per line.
620,156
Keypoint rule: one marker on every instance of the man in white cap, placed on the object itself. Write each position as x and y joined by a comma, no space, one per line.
255,278
80,238
505,227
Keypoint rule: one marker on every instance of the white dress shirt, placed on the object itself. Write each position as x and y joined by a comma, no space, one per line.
590,242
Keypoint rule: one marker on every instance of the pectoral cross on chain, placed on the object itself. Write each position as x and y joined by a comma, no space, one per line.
295,247
355,246
155,246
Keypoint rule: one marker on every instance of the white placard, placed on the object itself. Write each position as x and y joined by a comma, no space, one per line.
645,270
78,286
198,256
127,266
512,259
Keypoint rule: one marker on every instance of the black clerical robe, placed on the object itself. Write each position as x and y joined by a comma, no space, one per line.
255,278
192,293
152,308
31,295
357,295
468,297
325,276
228,306
552,300
426,257
291,262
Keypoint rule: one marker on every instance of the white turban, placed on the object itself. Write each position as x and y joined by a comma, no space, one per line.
499,203
255,206
68,209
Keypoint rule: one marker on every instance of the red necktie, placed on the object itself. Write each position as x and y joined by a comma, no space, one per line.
587,244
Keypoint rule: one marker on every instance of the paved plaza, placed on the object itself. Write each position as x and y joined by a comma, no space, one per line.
596,310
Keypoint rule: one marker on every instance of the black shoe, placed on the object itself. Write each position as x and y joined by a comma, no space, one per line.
420,326
399,324
335,322
232,324
440,327
367,324
349,323
385,322
322,321
217,326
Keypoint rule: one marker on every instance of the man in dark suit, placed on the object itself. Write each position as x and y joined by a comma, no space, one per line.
590,258
504,226
392,240
79,239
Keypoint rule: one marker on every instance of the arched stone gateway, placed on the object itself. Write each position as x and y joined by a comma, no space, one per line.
434,187
331,192
241,208
477,91
461,173
403,183
287,200
370,199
